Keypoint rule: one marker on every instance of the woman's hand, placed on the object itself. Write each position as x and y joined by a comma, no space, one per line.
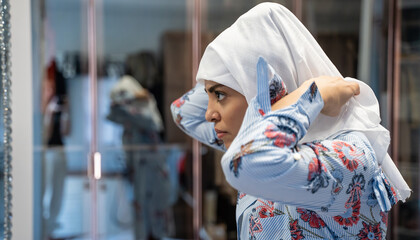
335,92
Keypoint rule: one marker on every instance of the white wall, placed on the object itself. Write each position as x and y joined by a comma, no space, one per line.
22,120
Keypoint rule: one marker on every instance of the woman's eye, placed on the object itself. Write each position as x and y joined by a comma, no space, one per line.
220,96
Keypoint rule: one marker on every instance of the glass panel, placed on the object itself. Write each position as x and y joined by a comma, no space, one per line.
378,74
407,223
355,40
144,63
220,14
337,31
219,198
61,120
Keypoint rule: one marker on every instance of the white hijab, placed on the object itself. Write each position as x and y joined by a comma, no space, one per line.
271,31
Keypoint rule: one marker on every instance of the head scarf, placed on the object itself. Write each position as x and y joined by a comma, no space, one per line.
271,31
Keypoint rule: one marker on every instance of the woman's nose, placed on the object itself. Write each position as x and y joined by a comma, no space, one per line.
212,115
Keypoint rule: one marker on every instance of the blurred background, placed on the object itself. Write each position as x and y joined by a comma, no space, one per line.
109,163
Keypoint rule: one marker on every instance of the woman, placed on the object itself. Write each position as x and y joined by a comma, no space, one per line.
304,166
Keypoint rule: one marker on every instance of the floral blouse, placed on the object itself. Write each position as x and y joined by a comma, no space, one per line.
329,189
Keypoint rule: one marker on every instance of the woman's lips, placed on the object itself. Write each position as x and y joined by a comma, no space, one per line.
220,133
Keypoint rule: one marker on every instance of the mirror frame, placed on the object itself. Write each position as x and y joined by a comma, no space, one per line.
6,163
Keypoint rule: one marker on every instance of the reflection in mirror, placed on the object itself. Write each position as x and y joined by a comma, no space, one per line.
5,128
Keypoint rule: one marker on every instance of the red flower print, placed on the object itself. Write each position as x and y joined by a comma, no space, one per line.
317,176
278,96
355,189
337,187
370,231
241,195
350,217
266,209
236,162
178,121
282,139
392,196
277,89
312,217
317,147
261,112
266,212
314,90
295,231
384,216
337,184
234,166
344,151
254,226
179,102
315,168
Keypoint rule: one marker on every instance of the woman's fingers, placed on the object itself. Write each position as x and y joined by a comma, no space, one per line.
356,88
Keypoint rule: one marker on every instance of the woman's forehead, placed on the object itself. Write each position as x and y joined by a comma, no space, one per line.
210,83
210,86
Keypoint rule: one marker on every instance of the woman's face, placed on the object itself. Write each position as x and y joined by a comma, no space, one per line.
226,109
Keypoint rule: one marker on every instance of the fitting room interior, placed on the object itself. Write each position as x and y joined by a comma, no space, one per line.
73,168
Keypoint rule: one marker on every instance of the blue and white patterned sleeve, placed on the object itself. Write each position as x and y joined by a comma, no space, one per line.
266,160
189,112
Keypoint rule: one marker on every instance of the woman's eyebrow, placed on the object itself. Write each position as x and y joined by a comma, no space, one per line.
212,88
